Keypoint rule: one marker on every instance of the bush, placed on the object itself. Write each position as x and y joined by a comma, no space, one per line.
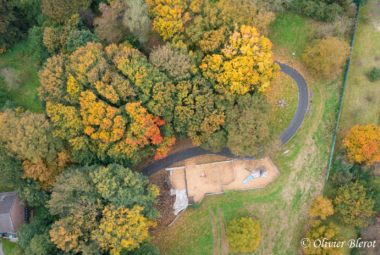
374,75
340,27
145,249
326,57
196,205
244,234
230,193
4,97
365,19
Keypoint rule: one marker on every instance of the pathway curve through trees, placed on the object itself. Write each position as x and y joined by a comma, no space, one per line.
289,132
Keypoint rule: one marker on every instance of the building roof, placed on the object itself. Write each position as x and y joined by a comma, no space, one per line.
6,203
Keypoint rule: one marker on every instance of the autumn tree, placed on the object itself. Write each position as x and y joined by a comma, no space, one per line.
60,10
90,199
321,207
109,104
321,232
244,234
363,144
169,17
247,126
9,26
136,19
173,62
353,205
109,27
122,229
246,63
326,57
30,138
67,38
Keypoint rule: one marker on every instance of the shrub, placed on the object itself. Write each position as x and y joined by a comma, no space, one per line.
4,97
171,61
230,193
365,19
326,56
145,249
196,205
244,234
374,75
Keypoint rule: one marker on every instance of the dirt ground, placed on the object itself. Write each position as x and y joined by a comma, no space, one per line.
372,233
177,178
220,176
165,200
242,174
216,176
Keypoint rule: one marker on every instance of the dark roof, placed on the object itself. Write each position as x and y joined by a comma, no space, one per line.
6,203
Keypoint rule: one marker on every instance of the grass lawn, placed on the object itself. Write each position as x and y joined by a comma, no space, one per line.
25,91
7,246
361,104
284,88
282,207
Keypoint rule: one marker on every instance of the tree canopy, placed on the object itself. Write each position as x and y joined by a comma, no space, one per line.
244,234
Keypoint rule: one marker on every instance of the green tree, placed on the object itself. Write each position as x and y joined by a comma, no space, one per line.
244,234
82,198
195,113
216,141
353,205
247,126
79,38
60,10
326,57
9,26
321,232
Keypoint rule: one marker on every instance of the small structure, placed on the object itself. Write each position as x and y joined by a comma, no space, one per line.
282,103
261,172
12,213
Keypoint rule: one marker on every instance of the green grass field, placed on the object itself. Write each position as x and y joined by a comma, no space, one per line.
282,207
7,246
284,88
25,92
361,104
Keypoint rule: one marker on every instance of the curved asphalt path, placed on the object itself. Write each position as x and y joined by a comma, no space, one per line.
289,132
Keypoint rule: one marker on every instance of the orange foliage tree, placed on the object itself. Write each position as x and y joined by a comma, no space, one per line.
109,104
363,144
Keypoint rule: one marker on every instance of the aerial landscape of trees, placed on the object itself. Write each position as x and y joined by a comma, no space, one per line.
120,83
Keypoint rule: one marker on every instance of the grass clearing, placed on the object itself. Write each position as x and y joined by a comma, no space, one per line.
20,76
282,207
7,246
284,88
361,104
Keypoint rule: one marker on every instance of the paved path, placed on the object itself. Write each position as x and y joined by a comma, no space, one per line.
303,101
1,249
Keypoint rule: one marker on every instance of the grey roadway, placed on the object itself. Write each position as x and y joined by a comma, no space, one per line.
1,249
289,132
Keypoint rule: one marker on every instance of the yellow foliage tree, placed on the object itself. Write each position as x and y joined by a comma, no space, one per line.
244,234
246,63
321,207
170,16
122,229
326,57
363,144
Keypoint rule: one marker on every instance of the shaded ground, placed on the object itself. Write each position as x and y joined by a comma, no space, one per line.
165,200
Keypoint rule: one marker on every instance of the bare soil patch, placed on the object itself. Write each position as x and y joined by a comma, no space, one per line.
215,250
178,179
372,233
223,234
165,200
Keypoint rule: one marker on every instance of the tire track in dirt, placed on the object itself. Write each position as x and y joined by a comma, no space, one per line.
223,234
215,250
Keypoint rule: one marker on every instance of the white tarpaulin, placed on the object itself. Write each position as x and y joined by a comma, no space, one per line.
181,201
